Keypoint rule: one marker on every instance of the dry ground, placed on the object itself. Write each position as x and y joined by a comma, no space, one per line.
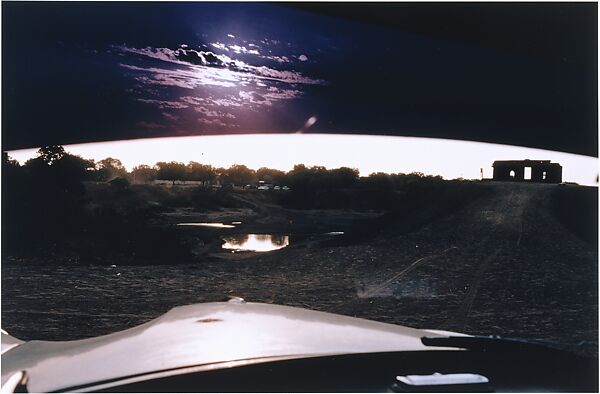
502,265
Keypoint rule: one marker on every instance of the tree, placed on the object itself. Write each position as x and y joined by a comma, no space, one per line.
172,171
300,178
12,179
200,172
51,153
9,161
239,174
143,173
298,168
54,164
119,184
52,191
378,180
342,177
270,175
110,168
74,168
319,177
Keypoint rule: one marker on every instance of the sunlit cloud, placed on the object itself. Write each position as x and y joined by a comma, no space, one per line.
235,48
252,97
207,112
180,55
220,45
267,97
214,114
270,96
278,59
215,122
209,61
190,78
268,41
164,104
226,102
193,100
274,93
231,101
218,82
149,125
170,116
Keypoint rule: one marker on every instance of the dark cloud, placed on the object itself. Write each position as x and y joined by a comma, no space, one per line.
257,97
200,58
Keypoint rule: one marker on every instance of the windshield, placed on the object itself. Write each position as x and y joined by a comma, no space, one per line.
425,165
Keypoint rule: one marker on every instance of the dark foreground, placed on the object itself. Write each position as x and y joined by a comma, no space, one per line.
503,264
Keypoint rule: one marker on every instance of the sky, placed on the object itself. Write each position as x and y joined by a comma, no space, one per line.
449,158
519,74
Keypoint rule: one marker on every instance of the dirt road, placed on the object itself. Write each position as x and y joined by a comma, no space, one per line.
502,265
513,270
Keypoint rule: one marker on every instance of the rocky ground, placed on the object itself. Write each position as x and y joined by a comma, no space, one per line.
501,265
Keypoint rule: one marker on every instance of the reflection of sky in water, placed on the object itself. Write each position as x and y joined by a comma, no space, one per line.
217,225
256,242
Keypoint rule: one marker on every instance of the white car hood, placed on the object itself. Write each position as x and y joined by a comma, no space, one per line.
204,334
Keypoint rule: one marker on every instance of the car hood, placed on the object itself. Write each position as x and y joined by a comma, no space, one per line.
201,335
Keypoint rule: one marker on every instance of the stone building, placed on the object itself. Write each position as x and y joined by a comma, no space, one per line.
527,171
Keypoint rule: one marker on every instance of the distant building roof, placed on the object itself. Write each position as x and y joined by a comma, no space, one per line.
526,163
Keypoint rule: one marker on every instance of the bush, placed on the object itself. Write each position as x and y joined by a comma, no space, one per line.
119,184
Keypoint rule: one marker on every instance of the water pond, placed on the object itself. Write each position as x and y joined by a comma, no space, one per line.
255,242
215,225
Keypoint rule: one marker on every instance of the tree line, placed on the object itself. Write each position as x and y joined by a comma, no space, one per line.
56,160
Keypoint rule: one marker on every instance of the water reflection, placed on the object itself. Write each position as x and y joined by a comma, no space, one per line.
256,242
217,225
